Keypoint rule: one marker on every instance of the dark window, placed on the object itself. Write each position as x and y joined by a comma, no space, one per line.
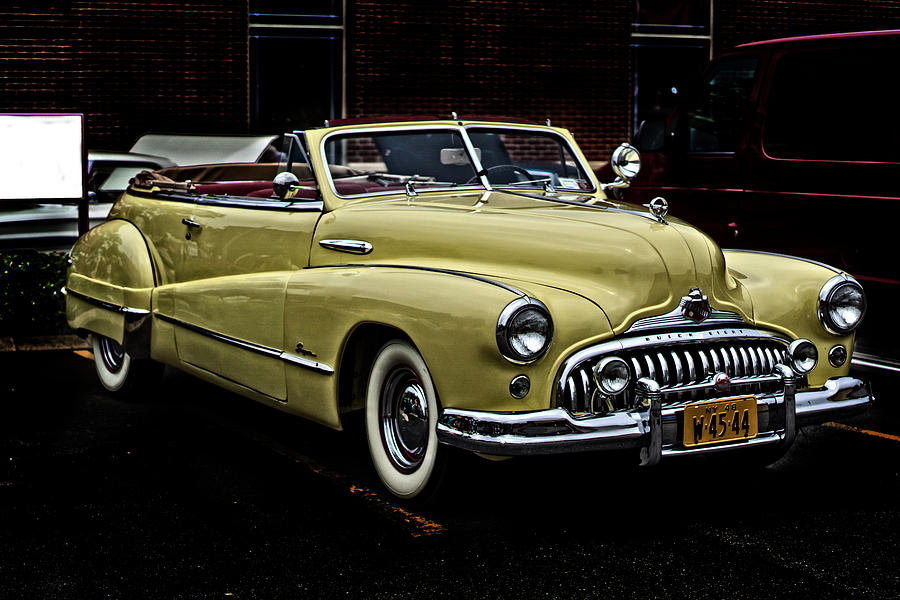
716,114
309,12
834,105
296,80
296,64
668,16
670,42
662,73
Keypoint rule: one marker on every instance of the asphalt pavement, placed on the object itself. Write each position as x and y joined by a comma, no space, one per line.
197,493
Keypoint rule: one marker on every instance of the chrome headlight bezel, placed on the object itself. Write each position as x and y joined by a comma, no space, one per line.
506,328
826,304
804,356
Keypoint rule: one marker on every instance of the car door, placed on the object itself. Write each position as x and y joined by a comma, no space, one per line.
228,261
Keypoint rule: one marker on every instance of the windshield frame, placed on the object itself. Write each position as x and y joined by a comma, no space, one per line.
543,131
482,183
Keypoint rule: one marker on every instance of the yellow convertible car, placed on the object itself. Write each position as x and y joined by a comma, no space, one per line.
464,282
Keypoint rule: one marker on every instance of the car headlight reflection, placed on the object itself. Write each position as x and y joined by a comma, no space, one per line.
804,355
524,330
842,304
612,375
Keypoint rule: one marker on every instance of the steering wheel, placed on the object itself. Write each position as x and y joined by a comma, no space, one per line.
514,168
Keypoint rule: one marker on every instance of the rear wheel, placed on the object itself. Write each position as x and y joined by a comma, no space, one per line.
117,370
401,422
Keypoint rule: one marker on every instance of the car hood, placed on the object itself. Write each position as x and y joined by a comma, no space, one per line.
616,255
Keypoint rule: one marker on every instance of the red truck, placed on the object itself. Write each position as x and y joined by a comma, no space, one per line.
791,146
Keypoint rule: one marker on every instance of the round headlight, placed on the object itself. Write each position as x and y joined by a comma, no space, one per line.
842,304
612,375
524,330
804,355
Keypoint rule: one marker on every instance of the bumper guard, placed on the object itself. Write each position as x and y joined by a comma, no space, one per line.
648,426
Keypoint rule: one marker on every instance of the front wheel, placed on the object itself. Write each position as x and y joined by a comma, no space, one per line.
117,370
401,422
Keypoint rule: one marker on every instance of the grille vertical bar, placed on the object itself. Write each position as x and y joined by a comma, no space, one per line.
680,365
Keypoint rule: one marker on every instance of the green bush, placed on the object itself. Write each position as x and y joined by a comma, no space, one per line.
31,300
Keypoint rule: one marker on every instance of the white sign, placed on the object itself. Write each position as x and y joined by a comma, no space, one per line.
41,157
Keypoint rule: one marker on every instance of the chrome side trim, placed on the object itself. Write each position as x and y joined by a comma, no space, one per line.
870,361
349,246
250,346
126,310
298,205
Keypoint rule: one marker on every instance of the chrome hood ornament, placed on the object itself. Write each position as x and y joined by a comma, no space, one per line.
695,306
659,208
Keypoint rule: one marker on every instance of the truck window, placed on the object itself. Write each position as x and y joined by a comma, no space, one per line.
834,105
716,114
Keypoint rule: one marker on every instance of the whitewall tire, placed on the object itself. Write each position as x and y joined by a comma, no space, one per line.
401,421
118,371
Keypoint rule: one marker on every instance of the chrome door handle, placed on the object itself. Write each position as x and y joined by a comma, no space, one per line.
190,224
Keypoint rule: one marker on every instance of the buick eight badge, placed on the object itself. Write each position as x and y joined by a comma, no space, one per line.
695,306
464,283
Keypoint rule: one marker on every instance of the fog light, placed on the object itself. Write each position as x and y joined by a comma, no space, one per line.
612,375
837,356
520,386
803,355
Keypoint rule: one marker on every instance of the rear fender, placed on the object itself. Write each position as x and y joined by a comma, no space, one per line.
109,285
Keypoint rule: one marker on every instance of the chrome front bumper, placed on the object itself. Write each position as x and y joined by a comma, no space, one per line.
652,429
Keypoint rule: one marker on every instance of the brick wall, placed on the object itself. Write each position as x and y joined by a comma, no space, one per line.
532,59
131,67
741,21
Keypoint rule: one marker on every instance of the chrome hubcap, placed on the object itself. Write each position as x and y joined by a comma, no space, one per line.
112,354
404,419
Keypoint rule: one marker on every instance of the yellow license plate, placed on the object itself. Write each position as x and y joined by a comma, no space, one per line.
715,421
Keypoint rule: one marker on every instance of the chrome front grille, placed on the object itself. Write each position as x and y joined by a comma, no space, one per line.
683,364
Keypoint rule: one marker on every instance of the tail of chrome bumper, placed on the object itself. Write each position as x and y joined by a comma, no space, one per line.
649,427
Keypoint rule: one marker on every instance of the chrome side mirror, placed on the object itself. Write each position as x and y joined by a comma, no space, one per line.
626,163
285,185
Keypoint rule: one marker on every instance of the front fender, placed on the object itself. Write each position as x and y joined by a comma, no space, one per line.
451,318
785,295
109,283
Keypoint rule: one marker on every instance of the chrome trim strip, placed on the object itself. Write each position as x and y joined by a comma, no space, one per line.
232,201
349,246
870,361
250,346
107,305
508,288
676,320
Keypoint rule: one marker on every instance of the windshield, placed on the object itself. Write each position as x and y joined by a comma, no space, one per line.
386,161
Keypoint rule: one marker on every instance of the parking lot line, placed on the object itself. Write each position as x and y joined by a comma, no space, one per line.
878,434
417,526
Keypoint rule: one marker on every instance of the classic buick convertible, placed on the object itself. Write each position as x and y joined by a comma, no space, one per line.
465,283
